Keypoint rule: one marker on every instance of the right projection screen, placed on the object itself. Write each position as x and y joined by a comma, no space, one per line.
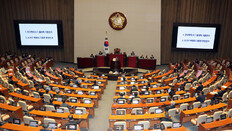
195,37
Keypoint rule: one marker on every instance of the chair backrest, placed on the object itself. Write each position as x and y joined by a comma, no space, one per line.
229,113
178,96
49,107
3,98
230,95
187,86
201,118
184,106
49,120
217,115
148,100
146,124
207,102
23,105
224,96
152,109
136,99
134,110
196,104
36,94
66,110
27,119
167,124
205,90
119,123
47,97
118,110
83,109
172,112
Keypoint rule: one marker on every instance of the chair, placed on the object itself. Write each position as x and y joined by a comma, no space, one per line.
47,97
49,107
183,106
49,120
136,99
196,104
3,98
207,102
66,110
224,97
152,109
118,110
24,106
27,120
83,109
205,90
230,95
172,112
187,86
162,79
11,88
178,96
134,110
173,82
4,117
148,100
211,88
229,113
36,94
217,115
167,124
200,119
31,84
121,123
146,124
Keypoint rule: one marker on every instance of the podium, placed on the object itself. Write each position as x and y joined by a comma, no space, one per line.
119,56
100,60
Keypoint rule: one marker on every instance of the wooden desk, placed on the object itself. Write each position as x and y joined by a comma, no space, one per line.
13,111
36,102
229,104
215,124
176,129
4,91
98,91
147,64
186,116
77,72
60,117
89,107
148,105
165,74
151,95
132,119
22,127
151,73
54,78
66,74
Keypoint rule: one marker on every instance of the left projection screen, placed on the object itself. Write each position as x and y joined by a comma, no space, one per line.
39,34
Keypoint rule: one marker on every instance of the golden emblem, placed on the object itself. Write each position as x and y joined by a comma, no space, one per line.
117,21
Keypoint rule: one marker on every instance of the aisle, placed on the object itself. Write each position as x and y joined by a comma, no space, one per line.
101,120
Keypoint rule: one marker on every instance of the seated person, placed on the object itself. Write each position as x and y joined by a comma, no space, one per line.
132,53
72,121
201,97
152,57
200,87
172,93
141,57
169,107
133,88
100,53
65,104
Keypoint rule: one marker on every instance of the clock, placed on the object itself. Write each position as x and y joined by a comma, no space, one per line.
117,21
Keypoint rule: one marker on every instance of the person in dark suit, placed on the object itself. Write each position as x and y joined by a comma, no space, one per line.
172,93
169,107
200,87
65,104
201,97
72,121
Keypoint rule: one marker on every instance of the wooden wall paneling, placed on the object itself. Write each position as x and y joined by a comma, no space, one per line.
38,10
195,11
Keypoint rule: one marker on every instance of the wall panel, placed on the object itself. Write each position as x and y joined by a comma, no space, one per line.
38,10
195,11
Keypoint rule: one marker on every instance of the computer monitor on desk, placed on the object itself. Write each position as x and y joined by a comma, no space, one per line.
138,127
163,99
158,111
73,100
176,125
79,111
120,112
186,96
209,120
16,121
223,116
33,124
71,127
60,110
118,127
59,99
52,125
